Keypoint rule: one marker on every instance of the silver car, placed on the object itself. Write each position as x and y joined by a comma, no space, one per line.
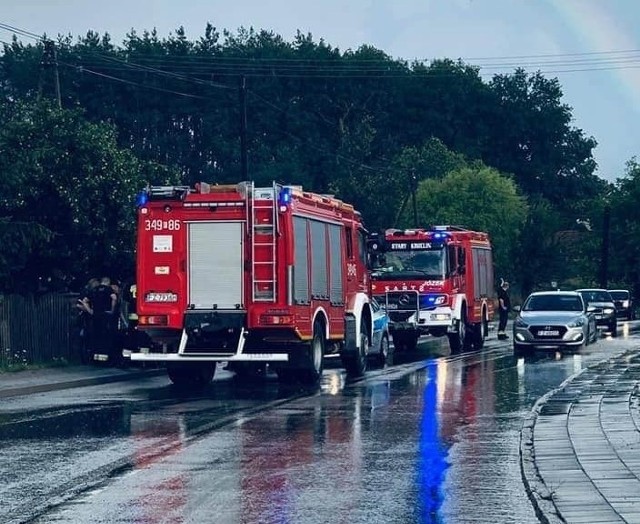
553,320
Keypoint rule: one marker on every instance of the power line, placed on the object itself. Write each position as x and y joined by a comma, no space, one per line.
130,82
21,32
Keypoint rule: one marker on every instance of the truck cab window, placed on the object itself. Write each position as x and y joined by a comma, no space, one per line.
349,240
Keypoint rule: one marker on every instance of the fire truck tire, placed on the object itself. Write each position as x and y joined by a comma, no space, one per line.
479,333
459,340
356,364
315,356
191,374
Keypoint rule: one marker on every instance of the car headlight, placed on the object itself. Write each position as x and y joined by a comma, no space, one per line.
608,310
578,322
518,322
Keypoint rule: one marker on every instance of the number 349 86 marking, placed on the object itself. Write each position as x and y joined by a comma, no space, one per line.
161,225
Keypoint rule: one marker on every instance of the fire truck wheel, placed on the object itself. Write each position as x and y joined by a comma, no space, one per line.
191,374
356,364
480,331
458,341
315,356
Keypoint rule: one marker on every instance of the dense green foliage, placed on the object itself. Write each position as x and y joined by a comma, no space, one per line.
500,155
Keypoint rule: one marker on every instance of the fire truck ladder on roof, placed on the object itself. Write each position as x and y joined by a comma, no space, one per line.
264,216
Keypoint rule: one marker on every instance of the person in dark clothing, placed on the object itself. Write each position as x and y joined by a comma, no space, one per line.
85,321
504,306
103,301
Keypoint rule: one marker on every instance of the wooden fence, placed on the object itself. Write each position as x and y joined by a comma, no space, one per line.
38,329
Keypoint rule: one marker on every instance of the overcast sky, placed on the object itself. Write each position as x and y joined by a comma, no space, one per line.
592,46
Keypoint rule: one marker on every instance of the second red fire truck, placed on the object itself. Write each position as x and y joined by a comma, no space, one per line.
436,281
250,275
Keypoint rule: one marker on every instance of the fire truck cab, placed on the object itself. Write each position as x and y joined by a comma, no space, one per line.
250,276
436,281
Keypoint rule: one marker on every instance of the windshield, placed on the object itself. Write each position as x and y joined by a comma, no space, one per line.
619,295
596,295
430,263
553,303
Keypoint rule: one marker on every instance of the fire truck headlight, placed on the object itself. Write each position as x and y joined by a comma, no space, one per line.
161,297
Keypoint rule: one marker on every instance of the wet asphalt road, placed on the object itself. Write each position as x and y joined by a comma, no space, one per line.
433,438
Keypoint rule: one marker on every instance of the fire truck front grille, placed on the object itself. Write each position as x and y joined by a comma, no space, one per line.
402,301
400,316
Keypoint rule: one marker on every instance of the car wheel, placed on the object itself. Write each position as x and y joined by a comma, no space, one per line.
613,328
385,356
518,350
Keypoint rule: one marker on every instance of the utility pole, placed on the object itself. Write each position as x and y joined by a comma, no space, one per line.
49,65
604,257
414,188
243,128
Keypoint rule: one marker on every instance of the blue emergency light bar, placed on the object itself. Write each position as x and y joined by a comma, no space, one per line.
284,198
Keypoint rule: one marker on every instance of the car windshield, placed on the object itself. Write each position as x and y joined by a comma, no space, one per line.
553,303
619,295
596,295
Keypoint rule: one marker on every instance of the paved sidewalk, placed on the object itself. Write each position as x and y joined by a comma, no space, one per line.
580,446
49,379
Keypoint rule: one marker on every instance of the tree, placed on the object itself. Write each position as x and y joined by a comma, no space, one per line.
530,136
70,191
624,253
478,198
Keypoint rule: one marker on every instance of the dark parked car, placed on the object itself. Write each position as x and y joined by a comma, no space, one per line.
553,320
624,303
605,309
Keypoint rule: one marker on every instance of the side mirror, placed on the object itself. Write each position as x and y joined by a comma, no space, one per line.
517,309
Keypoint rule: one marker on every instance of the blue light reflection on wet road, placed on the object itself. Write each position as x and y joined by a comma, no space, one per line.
431,462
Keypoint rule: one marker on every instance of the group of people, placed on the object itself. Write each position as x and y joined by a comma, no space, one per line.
103,320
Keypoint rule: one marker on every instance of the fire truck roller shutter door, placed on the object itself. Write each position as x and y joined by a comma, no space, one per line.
336,291
215,245
301,264
319,269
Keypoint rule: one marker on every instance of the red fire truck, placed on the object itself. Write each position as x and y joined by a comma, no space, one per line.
436,281
250,276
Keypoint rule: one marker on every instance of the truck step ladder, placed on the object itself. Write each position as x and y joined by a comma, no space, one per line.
263,230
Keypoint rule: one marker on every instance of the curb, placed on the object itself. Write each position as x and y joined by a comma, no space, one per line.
78,383
539,494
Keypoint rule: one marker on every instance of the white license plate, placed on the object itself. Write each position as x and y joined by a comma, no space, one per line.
548,333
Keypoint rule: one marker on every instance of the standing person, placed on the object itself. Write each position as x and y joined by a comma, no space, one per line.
103,301
504,306
85,317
